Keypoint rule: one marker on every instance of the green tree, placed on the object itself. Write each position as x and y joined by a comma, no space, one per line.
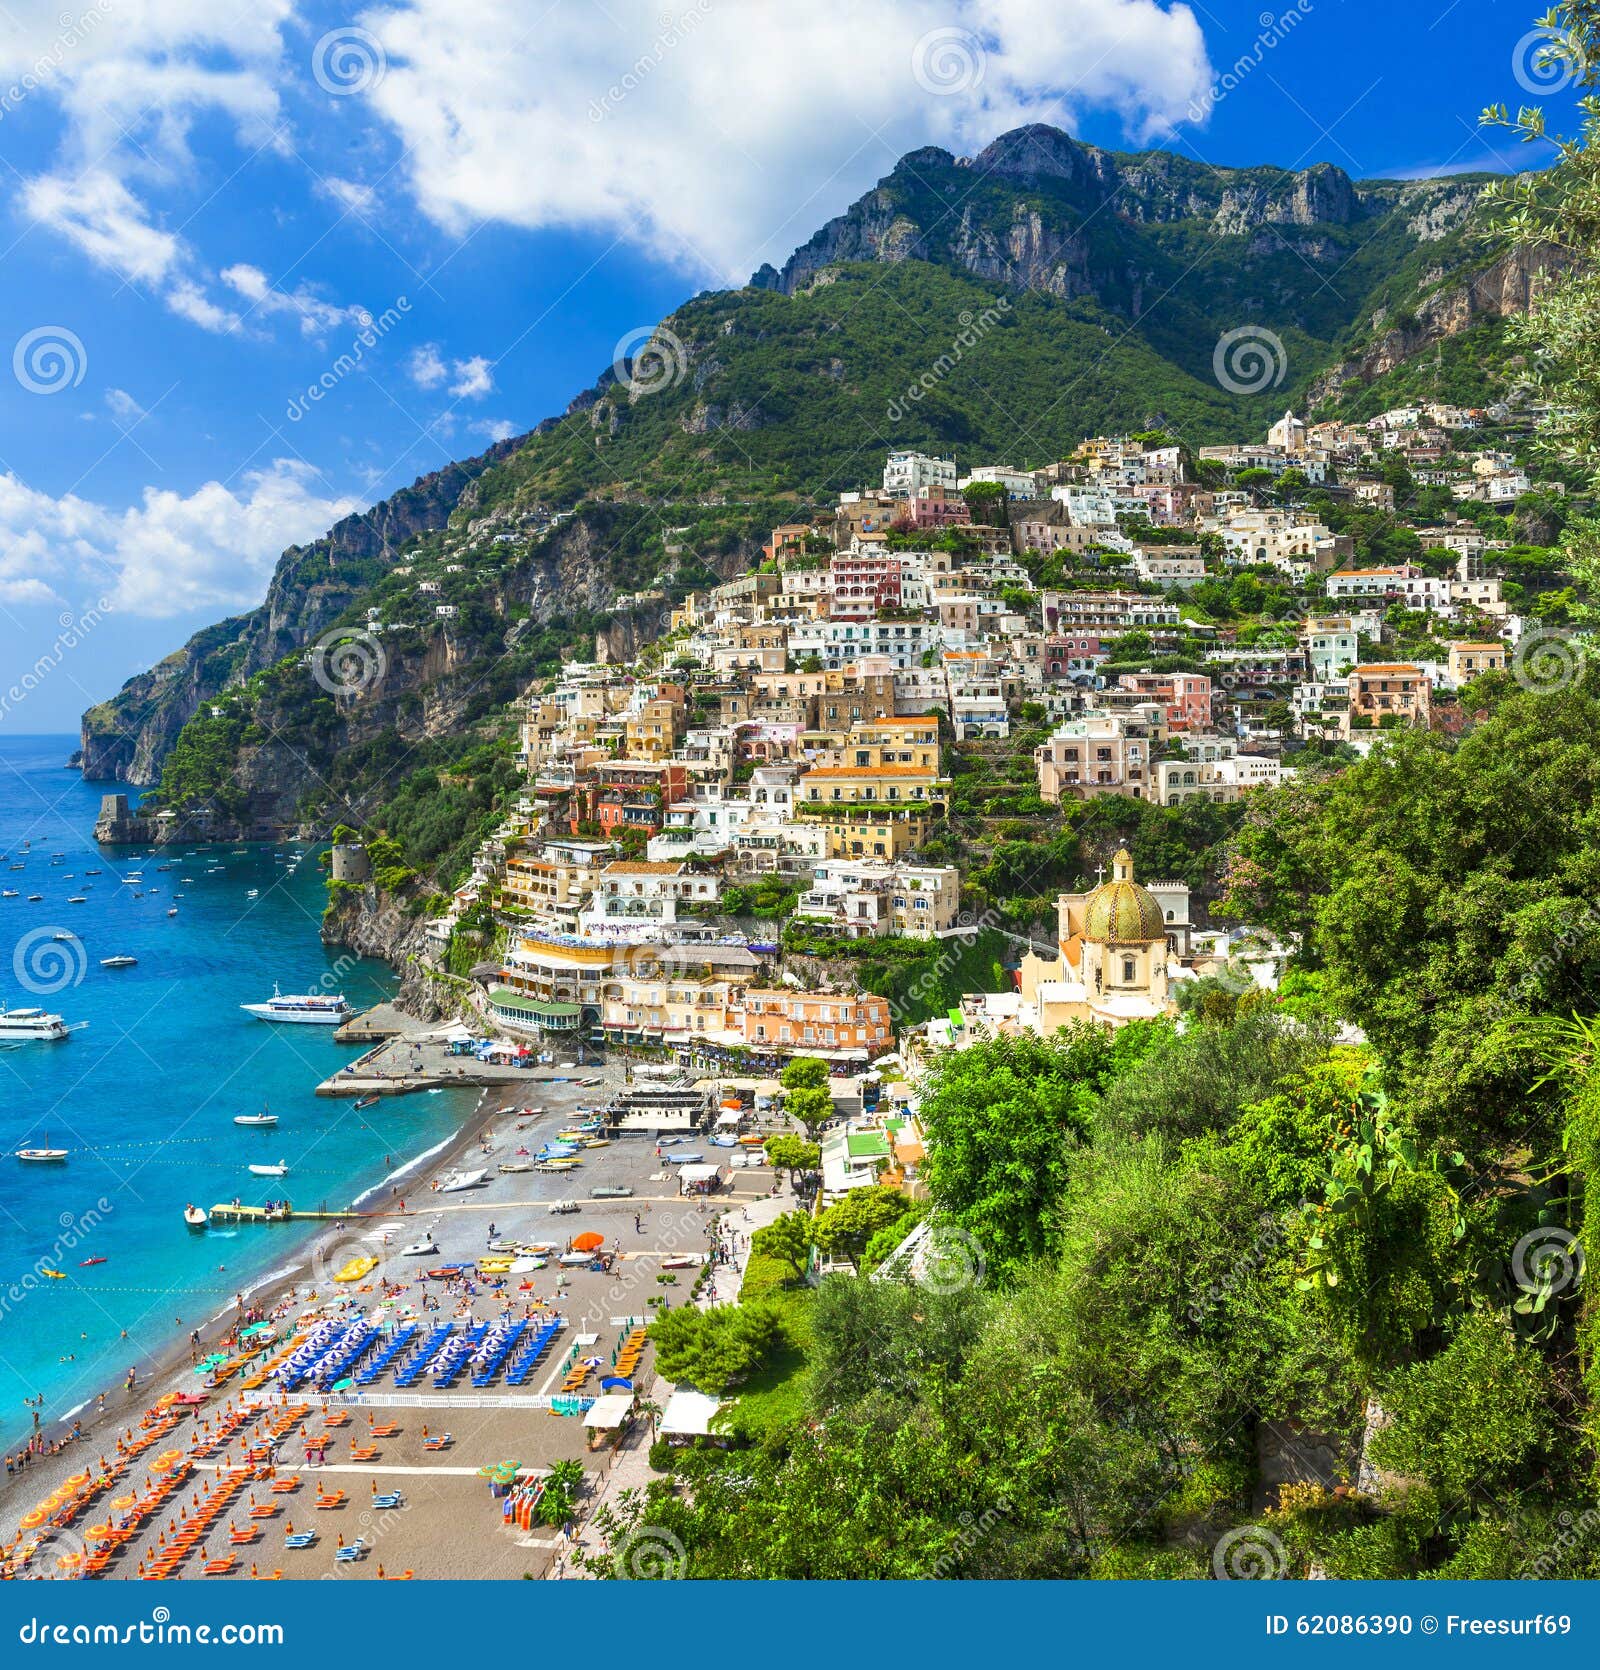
844,1230
712,1349
788,1238
792,1154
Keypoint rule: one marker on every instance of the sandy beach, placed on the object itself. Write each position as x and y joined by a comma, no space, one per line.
445,1524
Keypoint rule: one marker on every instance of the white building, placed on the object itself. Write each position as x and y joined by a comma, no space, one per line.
906,474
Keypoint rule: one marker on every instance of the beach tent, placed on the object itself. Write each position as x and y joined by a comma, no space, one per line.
607,1413
688,1414
728,1117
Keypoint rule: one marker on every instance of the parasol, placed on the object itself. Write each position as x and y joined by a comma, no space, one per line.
589,1241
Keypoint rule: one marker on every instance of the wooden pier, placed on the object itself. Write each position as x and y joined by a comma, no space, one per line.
230,1213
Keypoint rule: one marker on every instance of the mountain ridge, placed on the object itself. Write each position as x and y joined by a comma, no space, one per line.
1108,277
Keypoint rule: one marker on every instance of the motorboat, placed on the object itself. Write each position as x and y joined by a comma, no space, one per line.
264,1120
459,1180
195,1217
281,1169
510,1167
573,1259
63,936
123,961
78,899
683,1159
424,1248
504,1246
612,1191
9,893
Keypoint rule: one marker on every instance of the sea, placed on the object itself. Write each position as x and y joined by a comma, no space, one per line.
143,1094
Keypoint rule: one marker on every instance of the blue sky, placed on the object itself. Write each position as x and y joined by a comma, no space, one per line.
204,203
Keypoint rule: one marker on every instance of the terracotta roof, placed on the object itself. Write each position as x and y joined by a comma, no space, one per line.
639,867
1386,668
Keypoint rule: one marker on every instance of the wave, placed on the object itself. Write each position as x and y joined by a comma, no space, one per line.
410,1166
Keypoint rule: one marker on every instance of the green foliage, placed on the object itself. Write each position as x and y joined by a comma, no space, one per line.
712,1350
999,1120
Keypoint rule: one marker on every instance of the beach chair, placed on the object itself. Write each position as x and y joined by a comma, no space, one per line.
340,1417
264,1510
284,1486
300,1539
244,1536
389,1499
396,1576
349,1551
219,1568
329,1499
386,1429
441,1442
363,1452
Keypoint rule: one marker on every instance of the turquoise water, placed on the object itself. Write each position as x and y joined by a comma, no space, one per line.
143,1097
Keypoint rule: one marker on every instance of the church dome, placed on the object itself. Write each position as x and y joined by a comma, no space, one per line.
1120,912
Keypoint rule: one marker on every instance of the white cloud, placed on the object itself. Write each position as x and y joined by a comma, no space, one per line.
473,378
643,125
314,315
123,407
469,379
169,553
97,213
494,429
190,302
425,368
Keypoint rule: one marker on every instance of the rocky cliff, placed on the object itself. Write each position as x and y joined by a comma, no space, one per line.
126,738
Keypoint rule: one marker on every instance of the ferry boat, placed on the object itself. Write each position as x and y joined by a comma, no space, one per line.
309,1009
31,1025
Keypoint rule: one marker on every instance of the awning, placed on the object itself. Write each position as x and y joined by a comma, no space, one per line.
610,1411
697,1174
729,1118
688,1414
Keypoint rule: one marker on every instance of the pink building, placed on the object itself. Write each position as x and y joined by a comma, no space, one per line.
1187,697
864,581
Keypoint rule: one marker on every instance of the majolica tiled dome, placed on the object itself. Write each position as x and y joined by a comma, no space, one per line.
1119,912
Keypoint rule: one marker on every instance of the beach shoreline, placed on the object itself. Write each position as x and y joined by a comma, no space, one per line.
163,1364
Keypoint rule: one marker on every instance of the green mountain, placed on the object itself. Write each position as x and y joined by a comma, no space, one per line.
1001,306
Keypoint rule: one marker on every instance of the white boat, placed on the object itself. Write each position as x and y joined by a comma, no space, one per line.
574,1259
195,1217
459,1180
43,1156
307,1009
253,893
123,961
526,1266
9,893
172,910
279,1170
263,1119
62,937
31,1025
78,899
420,1249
